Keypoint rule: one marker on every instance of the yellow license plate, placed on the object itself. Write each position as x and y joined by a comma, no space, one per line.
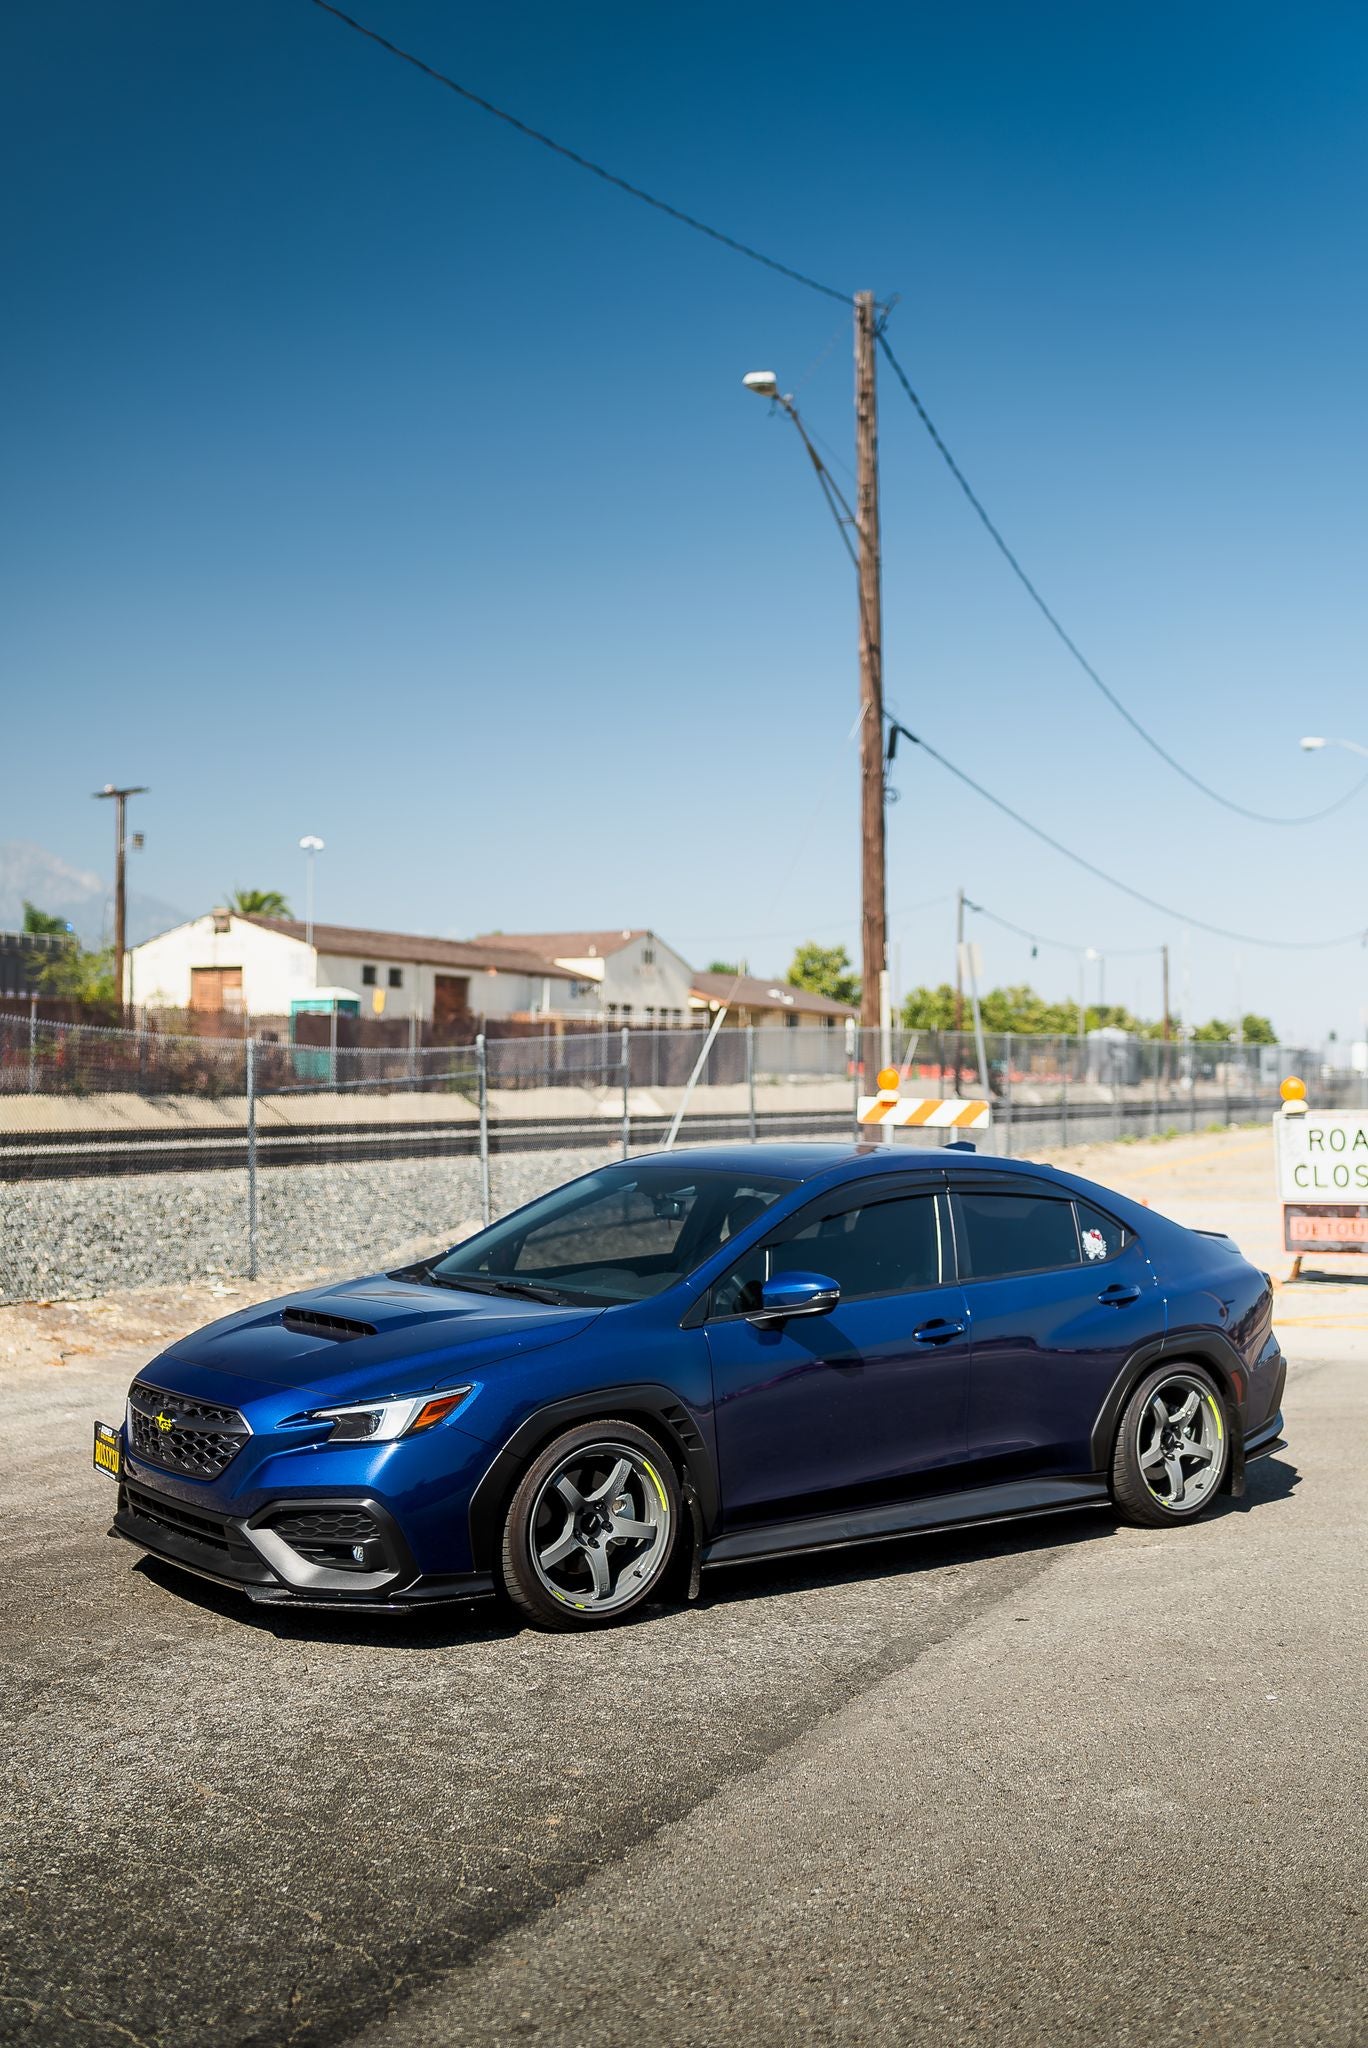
108,1449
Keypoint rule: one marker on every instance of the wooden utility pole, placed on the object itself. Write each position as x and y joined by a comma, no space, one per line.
959,959
1167,1024
120,797
874,901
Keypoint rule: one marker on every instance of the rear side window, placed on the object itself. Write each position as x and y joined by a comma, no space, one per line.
1098,1235
1003,1234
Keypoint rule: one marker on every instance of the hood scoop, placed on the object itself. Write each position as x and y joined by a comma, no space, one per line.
310,1322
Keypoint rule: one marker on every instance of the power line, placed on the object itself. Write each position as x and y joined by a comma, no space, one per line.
1151,903
688,220
1060,945
1228,803
754,255
815,929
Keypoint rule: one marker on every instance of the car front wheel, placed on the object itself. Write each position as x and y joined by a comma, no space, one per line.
591,1527
1172,1447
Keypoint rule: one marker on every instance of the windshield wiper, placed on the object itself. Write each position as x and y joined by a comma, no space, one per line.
484,1283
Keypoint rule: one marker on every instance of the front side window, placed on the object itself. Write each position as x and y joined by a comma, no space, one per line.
618,1235
885,1247
1001,1234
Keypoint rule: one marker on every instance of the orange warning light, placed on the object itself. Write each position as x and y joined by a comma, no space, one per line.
1293,1089
889,1079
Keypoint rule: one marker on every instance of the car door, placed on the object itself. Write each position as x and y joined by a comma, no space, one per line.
865,1403
1060,1295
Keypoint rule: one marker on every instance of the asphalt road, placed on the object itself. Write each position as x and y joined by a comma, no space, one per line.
1067,1782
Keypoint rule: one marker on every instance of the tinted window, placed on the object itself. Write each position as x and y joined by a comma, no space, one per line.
883,1248
1001,1234
619,1234
1099,1235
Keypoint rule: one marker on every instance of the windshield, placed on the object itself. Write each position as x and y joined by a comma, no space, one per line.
618,1235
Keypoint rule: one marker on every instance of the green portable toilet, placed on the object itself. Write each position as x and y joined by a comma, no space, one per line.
314,1062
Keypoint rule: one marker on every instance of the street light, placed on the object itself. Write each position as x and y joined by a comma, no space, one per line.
863,550
1311,746
309,845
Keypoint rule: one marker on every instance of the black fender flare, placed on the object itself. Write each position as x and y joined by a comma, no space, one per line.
1207,1348
671,1420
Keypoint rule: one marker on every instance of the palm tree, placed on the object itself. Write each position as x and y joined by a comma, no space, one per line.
42,923
259,903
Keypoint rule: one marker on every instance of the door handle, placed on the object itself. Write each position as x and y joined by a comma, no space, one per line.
937,1331
1118,1295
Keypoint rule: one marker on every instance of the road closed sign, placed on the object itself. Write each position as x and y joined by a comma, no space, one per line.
1323,1179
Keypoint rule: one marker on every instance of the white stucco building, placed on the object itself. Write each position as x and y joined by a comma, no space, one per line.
225,964
638,978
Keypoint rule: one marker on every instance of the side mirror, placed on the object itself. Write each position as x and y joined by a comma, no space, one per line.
796,1294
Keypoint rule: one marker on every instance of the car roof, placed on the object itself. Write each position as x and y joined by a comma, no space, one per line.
802,1162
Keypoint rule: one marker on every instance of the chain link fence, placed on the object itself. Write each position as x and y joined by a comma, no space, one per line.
147,1158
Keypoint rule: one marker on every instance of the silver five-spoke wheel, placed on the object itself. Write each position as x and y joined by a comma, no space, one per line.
600,1527
1179,1442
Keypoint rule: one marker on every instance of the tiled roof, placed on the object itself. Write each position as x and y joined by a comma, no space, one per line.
354,942
564,945
750,992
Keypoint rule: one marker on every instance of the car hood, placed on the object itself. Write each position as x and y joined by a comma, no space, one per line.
363,1339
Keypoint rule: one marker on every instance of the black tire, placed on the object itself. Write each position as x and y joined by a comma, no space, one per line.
1155,1489
540,1520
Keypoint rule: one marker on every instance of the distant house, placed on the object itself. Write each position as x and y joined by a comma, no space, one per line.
225,964
752,1000
639,979
23,958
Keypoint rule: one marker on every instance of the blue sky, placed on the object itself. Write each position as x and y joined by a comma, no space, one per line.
371,472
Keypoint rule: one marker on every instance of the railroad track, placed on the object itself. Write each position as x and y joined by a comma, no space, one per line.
59,1155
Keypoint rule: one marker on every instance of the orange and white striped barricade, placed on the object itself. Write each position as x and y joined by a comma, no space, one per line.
924,1112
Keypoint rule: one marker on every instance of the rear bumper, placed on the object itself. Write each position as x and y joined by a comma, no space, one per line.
1265,1440
252,1556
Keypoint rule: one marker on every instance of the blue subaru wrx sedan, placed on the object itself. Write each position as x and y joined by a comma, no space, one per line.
701,1357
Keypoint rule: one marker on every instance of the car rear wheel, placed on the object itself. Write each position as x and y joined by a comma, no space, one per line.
1172,1447
591,1527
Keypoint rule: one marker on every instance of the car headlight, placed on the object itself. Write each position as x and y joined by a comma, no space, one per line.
380,1422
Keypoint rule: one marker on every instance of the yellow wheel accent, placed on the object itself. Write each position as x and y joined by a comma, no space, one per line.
657,1485
1216,1418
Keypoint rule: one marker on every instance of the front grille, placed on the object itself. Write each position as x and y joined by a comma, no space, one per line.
181,1435
326,1535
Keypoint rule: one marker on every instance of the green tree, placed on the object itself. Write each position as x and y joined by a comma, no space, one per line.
1219,1031
43,923
826,971
259,903
76,976
722,967
930,1009
1017,1008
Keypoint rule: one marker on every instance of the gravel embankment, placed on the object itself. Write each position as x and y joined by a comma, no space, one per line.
70,1239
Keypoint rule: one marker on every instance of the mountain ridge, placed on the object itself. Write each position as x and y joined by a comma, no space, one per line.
30,873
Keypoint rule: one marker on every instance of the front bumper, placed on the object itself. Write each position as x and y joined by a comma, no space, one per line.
291,1552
